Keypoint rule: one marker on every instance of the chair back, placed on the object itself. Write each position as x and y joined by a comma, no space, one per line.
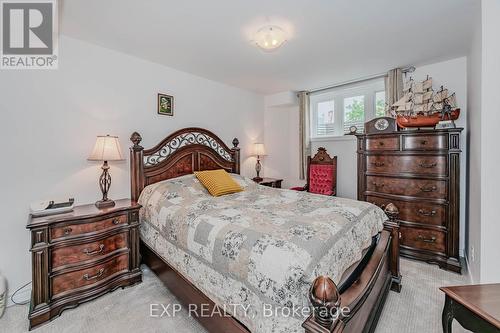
322,173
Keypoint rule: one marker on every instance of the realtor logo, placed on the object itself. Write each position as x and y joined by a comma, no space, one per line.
29,34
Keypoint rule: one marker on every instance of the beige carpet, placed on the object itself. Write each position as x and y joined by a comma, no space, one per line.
416,309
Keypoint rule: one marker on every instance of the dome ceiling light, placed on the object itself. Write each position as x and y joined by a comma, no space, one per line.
269,38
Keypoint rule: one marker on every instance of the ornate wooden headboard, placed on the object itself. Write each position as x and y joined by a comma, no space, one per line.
181,153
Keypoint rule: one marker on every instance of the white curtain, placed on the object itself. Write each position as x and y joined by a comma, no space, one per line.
304,135
393,88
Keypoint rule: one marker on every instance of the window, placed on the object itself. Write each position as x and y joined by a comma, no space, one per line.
380,104
326,118
354,113
335,111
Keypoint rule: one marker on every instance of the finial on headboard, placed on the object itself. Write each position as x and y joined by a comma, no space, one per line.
136,139
236,142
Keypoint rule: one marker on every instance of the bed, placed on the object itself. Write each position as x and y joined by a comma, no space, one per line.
255,261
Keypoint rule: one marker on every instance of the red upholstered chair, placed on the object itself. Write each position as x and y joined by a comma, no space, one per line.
321,174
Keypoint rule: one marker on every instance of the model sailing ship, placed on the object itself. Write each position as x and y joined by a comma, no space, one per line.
420,106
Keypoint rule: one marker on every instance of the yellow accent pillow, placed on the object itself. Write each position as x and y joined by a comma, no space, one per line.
218,182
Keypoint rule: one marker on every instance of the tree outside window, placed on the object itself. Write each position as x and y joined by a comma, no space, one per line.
354,112
380,104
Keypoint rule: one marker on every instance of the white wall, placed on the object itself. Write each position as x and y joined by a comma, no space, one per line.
49,121
281,119
473,134
347,166
490,159
451,73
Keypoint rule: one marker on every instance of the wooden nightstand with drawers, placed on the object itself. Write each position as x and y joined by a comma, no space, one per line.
81,255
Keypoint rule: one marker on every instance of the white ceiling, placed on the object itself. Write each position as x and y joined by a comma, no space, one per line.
330,41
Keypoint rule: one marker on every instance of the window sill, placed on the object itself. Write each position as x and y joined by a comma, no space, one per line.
334,138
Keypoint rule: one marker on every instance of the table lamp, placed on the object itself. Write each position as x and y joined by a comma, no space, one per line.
107,148
259,151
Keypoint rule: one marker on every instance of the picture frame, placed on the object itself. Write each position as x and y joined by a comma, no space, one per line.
165,104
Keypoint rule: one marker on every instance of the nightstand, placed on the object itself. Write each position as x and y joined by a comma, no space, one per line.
271,182
81,255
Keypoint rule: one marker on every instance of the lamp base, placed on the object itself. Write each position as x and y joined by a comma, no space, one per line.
104,203
257,179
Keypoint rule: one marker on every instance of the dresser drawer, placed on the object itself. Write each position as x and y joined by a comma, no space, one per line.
435,189
423,239
418,212
420,165
88,251
389,143
85,227
425,142
71,281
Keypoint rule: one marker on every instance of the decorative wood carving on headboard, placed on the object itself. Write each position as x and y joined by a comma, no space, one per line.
181,153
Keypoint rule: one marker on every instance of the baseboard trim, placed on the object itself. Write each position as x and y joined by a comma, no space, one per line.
469,274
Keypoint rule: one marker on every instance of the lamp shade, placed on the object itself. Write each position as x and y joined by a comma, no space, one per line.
258,149
270,38
107,148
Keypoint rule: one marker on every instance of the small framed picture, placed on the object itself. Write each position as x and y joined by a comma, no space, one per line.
165,104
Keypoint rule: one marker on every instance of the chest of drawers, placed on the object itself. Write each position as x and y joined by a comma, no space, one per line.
418,171
81,255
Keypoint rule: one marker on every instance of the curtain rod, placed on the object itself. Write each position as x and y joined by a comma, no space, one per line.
409,69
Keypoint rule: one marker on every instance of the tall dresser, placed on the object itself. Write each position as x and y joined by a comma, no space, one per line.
419,172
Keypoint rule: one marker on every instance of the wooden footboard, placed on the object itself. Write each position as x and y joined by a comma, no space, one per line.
359,307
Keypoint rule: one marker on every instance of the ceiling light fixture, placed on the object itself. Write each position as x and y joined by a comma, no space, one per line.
269,38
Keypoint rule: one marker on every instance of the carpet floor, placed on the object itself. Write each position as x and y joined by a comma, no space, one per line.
416,309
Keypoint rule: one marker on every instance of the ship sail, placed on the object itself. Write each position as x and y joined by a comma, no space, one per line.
407,86
405,107
420,98
427,96
427,84
428,107
441,95
418,87
452,101
400,102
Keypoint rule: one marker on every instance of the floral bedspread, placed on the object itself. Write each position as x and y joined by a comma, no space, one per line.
261,247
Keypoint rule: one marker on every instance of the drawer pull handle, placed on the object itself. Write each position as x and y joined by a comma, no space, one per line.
67,231
423,142
377,164
423,212
427,240
381,143
428,189
378,185
428,165
91,253
116,221
93,277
